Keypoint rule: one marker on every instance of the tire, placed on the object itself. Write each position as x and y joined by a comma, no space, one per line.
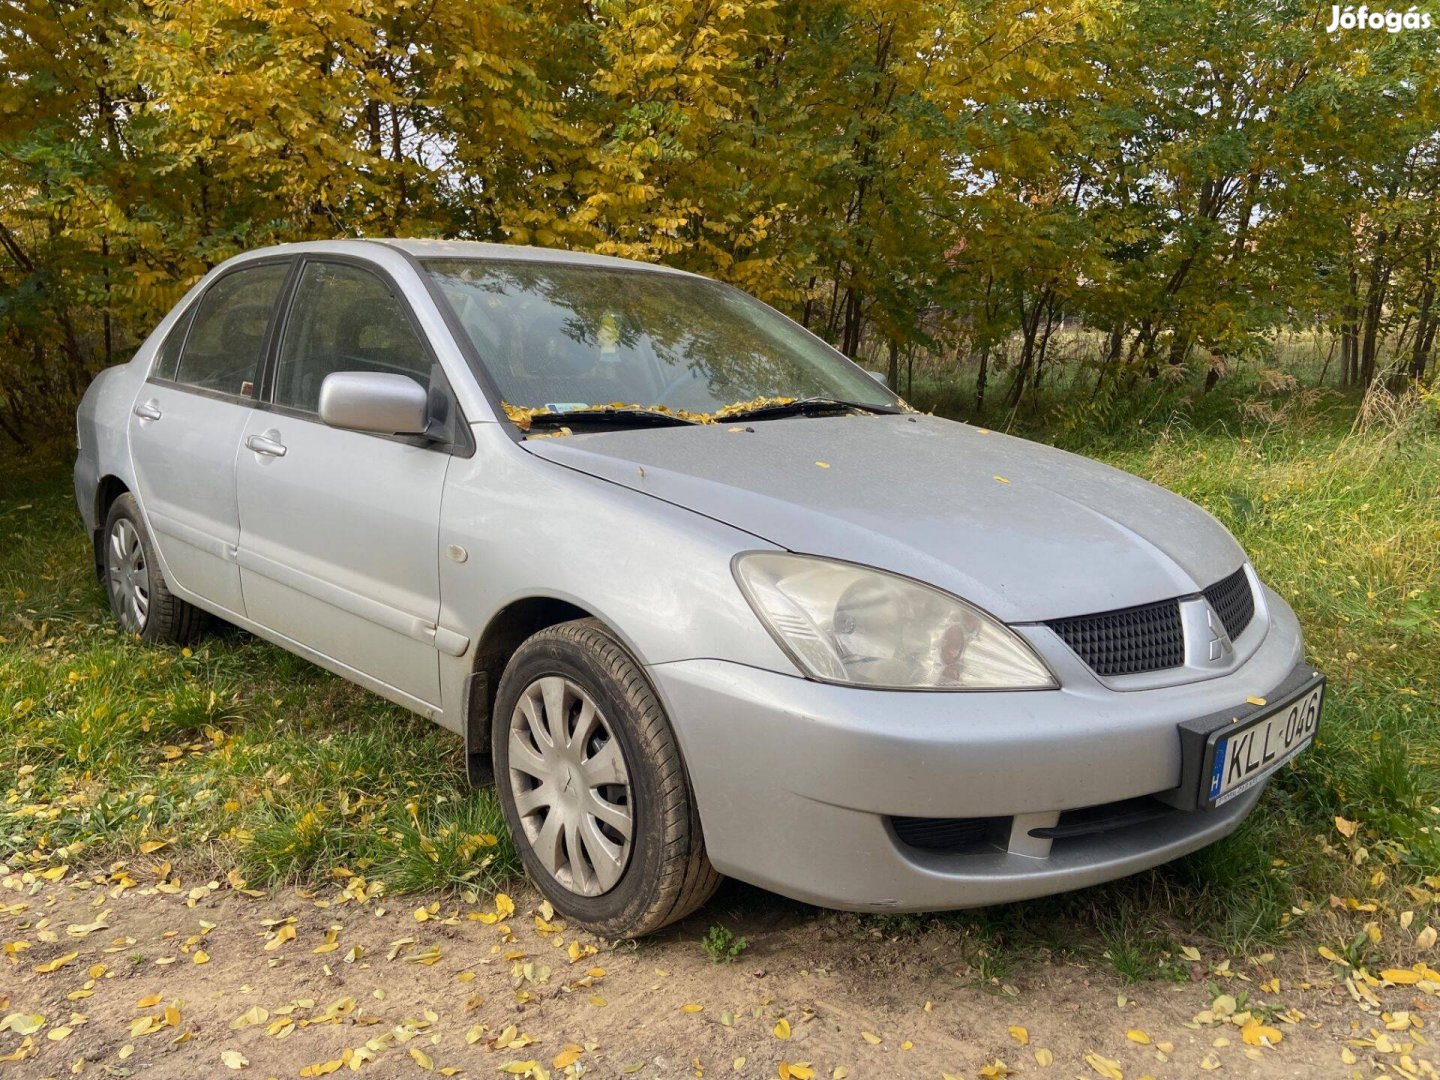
662,874
139,598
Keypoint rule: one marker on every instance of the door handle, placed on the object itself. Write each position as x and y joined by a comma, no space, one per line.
268,444
148,411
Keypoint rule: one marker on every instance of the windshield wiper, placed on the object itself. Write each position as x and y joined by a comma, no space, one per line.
601,415
808,406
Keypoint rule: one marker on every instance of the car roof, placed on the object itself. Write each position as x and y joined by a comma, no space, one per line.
465,249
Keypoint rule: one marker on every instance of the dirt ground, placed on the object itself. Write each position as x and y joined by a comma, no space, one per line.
136,972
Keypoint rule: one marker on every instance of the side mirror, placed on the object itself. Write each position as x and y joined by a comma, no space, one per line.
878,376
374,401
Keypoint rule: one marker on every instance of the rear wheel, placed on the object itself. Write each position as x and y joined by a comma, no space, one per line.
592,785
139,598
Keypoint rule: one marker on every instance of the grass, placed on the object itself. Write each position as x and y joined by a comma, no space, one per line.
232,756
237,756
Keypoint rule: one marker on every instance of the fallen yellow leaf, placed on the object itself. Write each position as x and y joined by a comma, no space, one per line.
56,964
568,1056
1255,1033
1400,976
1104,1066
782,1028
1020,1035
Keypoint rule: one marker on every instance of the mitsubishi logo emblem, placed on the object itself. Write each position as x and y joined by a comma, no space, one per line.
1220,647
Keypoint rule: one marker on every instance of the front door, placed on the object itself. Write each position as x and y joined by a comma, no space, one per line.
339,530
186,424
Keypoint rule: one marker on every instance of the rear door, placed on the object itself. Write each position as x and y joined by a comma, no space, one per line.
186,424
339,530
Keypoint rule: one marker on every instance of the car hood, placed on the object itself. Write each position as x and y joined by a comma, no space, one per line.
1023,530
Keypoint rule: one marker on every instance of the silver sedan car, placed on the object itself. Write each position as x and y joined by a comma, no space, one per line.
701,596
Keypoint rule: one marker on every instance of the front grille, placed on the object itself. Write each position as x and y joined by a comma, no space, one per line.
952,836
1233,602
1128,641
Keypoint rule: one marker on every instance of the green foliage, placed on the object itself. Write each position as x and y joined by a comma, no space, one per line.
959,181
722,946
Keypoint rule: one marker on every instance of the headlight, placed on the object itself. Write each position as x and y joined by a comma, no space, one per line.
849,624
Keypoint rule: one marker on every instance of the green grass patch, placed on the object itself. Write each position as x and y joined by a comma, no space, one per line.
232,756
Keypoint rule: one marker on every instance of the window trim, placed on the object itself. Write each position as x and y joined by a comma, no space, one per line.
479,371
187,317
462,443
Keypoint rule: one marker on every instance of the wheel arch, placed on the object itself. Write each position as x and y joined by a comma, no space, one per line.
109,488
507,629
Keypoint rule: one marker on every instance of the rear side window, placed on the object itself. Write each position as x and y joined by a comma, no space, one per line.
169,358
344,318
226,342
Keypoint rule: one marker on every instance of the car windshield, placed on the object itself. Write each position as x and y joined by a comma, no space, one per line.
560,338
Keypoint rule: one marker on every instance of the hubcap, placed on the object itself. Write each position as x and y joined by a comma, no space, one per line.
571,787
127,576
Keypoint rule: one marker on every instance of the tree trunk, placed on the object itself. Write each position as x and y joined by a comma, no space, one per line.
981,379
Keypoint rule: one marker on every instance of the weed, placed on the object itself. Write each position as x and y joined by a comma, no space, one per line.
722,946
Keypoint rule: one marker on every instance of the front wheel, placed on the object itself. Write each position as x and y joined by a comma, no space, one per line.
592,785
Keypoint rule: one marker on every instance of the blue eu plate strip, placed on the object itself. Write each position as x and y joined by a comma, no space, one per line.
1219,772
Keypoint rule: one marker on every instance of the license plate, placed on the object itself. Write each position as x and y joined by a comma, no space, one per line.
1245,756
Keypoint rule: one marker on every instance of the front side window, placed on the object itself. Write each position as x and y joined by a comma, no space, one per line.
226,343
564,337
344,318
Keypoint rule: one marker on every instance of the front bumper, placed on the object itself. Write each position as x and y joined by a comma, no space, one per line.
799,784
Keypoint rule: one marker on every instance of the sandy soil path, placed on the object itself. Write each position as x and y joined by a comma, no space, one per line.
139,974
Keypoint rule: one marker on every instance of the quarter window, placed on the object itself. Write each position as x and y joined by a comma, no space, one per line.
344,318
169,359
226,343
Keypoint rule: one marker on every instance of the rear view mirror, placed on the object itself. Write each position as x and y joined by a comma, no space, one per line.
374,401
